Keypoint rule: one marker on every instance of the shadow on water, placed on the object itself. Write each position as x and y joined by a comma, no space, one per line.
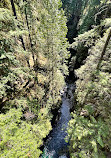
56,147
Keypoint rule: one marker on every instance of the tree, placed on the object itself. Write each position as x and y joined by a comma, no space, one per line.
32,70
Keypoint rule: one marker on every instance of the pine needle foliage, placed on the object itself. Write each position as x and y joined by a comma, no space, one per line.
89,129
33,66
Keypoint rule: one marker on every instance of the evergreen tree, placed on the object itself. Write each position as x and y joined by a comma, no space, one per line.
32,70
89,128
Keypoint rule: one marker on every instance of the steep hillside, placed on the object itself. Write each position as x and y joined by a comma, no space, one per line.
90,127
32,69
83,16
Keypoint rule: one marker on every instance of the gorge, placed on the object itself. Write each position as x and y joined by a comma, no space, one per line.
55,78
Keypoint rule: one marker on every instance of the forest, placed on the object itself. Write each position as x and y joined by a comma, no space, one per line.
48,47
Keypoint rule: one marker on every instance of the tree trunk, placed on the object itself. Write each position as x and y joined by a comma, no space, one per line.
104,50
28,25
31,45
21,38
13,8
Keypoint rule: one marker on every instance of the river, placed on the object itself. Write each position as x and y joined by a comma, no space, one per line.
56,147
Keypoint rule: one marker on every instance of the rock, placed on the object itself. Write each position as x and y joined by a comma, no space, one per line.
63,156
61,92
84,113
29,115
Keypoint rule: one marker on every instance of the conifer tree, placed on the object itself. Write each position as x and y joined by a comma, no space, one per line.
32,70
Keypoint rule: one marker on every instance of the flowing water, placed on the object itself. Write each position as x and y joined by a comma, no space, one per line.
56,147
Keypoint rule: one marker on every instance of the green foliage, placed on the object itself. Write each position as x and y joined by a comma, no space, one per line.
89,129
89,9
33,65
87,136
44,38
72,10
6,20
21,139
86,39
